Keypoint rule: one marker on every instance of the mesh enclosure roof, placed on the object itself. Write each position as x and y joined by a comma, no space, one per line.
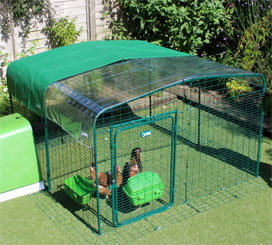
75,103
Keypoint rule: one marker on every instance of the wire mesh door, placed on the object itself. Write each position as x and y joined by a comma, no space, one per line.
148,173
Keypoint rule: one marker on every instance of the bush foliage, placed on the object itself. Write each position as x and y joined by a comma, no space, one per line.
185,25
62,32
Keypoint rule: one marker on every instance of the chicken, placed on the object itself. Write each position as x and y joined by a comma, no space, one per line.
136,158
105,180
134,166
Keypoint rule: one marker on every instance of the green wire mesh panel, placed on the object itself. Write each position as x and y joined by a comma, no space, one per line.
68,159
218,136
223,138
198,135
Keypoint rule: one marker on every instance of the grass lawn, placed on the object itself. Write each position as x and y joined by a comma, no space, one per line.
246,219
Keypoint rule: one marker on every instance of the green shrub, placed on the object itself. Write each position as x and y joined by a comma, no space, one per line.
62,32
185,25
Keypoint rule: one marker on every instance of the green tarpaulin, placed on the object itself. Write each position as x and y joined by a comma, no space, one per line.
29,78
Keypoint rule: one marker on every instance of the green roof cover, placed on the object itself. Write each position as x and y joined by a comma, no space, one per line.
28,78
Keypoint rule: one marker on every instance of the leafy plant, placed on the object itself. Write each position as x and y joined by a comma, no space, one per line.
28,52
63,32
3,63
182,25
237,87
3,58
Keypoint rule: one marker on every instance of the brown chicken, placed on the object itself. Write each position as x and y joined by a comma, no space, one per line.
105,180
134,166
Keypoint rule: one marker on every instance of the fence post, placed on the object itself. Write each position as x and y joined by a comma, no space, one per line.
91,20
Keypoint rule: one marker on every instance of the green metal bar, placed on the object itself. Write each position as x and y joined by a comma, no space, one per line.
113,167
261,130
199,114
11,103
142,216
173,157
115,204
187,166
149,79
47,153
150,102
186,182
191,206
140,124
96,182
158,117
187,162
172,174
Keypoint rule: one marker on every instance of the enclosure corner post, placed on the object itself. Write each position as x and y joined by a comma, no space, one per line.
47,153
150,98
96,182
113,167
261,130
199,102
174,150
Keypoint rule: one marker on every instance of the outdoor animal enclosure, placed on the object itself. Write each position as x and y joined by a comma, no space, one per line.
132,137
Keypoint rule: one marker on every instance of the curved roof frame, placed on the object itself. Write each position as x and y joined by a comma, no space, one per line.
129,80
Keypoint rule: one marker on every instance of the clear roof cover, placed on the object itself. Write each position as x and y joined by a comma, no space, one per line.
74,103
